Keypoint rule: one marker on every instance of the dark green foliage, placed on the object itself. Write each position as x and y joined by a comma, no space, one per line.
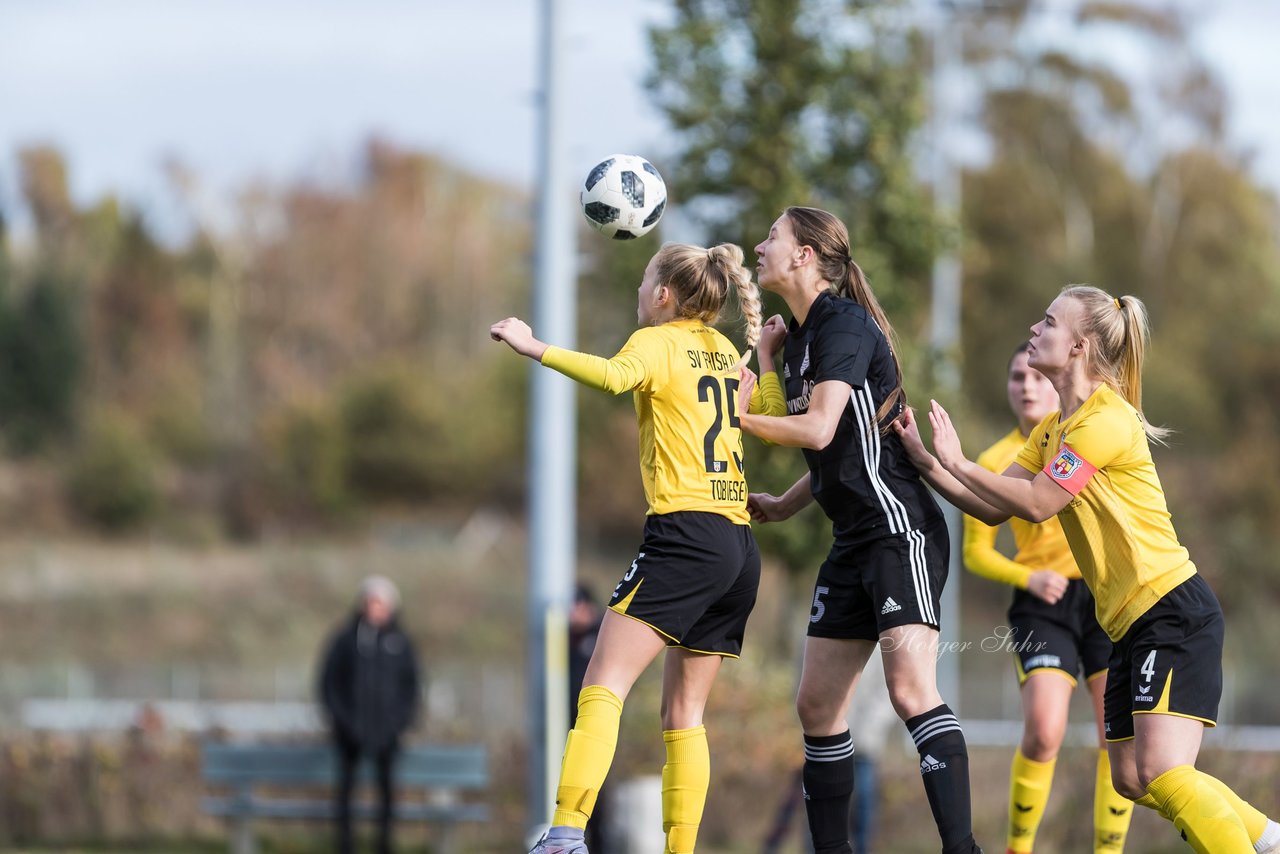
391,433
802,102
113,476
40,363
313,456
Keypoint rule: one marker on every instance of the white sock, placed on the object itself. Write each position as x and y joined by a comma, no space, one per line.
1269,838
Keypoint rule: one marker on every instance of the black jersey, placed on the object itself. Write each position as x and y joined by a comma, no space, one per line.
863,479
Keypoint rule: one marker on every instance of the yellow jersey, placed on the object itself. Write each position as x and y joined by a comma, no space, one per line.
1040,545
686,396
1117,521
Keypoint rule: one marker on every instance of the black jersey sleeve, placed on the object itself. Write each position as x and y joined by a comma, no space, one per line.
842,349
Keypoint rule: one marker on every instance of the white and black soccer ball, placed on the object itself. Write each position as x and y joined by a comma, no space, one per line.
623,196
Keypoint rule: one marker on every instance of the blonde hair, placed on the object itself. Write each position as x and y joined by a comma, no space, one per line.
1120,332
829,238
701,279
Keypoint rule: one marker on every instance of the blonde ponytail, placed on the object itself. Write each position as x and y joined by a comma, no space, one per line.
1120,332
701,280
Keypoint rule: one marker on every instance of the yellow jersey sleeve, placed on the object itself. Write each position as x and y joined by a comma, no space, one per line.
1041,545
1103,437
767,397
641,365
982,558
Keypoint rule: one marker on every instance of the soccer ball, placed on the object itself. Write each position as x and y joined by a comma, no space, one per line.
623,196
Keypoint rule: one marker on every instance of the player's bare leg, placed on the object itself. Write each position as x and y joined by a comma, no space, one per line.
624,648
686,683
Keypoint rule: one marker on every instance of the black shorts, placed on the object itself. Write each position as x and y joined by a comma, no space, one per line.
1169,662
865,589
694,581
1064,636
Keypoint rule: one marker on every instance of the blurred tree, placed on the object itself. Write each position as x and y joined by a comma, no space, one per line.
48,196
800,102
112,478
40,362
278,310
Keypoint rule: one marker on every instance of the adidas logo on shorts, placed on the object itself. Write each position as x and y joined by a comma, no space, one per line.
890,606
930,764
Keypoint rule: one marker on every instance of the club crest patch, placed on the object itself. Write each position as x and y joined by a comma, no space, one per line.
1065,464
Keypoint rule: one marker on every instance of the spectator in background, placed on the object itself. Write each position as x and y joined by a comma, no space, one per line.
369,689
584,627
585,618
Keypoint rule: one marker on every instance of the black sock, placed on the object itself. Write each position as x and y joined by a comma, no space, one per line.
828,783
944,769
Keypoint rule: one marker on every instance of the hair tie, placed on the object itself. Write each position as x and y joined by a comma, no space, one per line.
1119,305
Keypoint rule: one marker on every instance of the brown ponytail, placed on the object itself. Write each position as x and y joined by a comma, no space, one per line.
829,239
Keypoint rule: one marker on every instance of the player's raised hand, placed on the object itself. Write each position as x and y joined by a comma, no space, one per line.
946,442
908,430
764,507
772,335
746,384
518,336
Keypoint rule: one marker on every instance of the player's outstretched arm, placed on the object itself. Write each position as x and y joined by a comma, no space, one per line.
1017,492
937,476
764,507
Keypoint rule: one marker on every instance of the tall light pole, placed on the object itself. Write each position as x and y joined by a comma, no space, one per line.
944,337
552,439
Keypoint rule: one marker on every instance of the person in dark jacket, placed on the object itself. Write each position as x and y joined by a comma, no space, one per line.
369,689
585,618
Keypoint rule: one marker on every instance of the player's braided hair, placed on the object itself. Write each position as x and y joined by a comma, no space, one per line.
1119,331
701,279
829,238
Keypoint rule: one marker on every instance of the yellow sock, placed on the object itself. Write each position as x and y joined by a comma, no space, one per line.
1150,803
685,778
1203,816
1255,822
1112,812
1029,784
588,753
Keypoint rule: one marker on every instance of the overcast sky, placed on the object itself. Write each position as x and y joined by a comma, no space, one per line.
288,89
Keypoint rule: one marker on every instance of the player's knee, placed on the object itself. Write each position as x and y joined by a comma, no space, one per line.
681,713
1145,773
1128,789
1041,739
910,700
1127,782
816,711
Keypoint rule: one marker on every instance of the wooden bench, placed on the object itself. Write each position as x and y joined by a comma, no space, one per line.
441,772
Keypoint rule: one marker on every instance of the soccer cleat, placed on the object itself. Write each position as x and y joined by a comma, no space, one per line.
1270,841
545,847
